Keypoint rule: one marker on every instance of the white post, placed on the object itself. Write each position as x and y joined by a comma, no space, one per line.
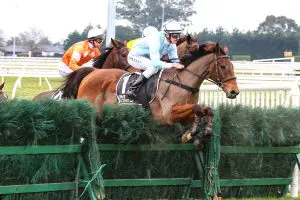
294,186
110,32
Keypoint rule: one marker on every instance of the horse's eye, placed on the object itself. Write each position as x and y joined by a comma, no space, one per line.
223,66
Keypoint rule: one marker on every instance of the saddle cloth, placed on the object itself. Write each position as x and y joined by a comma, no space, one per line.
145,94
57,95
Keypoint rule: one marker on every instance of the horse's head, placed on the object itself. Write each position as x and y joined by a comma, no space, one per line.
113,57
120,55
186,45
220,70
210,62
3,96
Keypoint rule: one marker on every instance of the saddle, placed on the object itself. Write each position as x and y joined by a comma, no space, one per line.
145,94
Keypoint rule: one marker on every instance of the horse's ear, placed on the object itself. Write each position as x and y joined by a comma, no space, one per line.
217,47
188,38
115,44
2,85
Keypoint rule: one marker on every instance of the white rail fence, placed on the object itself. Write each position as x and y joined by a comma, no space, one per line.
34,67
262,83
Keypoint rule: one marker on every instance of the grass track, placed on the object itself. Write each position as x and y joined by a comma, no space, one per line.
29,86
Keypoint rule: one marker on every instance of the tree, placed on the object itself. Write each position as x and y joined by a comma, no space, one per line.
11,41
72,38
75,36
33,38
142,13
278,26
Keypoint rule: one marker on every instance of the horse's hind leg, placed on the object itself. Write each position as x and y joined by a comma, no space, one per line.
193,113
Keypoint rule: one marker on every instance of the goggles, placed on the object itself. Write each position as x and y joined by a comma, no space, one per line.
175,36
99,41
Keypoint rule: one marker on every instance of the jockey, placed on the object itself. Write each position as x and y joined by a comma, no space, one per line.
81,52
147,31
146,53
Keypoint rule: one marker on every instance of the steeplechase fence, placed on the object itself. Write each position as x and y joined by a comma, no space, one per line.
58,150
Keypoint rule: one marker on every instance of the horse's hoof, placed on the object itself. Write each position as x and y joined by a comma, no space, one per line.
199,144
186,137
207,131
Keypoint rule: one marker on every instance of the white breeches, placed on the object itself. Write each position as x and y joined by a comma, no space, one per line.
142,63
63,69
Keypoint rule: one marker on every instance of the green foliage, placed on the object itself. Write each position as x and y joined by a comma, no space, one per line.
256,45
73,37
30,123
144,13
58,123
278,26
245,126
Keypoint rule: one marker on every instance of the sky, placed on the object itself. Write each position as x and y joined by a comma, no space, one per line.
57,18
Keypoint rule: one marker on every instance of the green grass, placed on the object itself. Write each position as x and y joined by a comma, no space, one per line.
29,86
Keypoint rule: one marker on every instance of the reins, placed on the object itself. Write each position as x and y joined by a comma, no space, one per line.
219,82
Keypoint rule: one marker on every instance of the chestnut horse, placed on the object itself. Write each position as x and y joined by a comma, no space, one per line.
178,91
3,96
186,45
113,57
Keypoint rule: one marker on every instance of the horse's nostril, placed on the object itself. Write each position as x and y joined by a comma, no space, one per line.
232,92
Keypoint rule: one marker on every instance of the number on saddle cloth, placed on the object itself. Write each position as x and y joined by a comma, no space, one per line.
145,94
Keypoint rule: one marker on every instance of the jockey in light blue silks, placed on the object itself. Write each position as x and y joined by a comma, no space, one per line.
146,53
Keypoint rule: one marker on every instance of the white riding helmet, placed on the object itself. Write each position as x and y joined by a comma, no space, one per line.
172,27
95,33
149,31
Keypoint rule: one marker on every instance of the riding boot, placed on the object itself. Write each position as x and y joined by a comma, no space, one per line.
131,93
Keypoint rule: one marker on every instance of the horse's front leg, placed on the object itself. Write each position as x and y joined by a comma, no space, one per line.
193,113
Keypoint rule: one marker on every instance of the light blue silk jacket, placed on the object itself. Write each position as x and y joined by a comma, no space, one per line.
154,47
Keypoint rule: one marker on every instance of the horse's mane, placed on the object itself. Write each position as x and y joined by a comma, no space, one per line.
100,60
204,49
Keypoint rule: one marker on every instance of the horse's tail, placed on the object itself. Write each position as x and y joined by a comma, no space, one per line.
73,80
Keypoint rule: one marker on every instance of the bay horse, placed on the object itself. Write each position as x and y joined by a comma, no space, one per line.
113,57
3,96
186,45
178,91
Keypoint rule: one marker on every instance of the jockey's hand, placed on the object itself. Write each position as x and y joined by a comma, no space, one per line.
177,66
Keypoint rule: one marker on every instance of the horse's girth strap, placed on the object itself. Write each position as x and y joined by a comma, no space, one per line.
193,90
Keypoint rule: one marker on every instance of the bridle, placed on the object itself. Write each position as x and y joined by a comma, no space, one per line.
119,64
219,82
